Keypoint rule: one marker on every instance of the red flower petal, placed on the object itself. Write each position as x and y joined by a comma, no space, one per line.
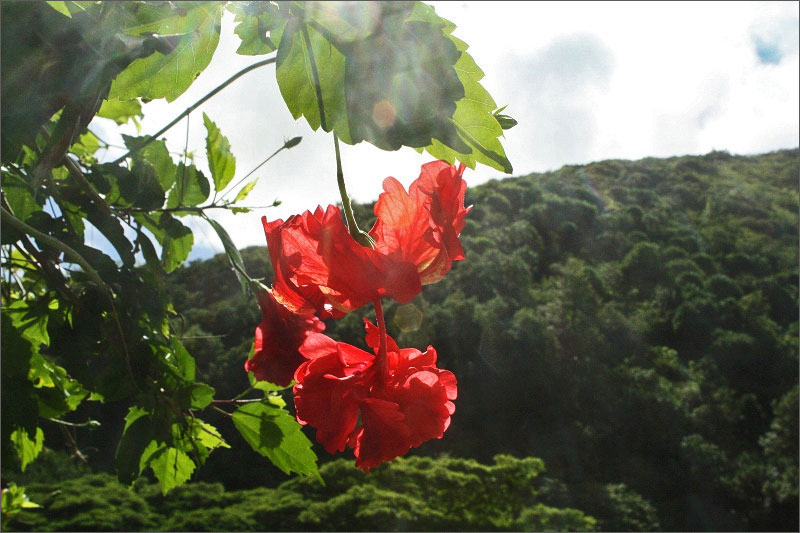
277,339
317,262
329,391
383,434
422,226
400,409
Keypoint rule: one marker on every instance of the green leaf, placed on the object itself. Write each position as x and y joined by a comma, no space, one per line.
234,257
201,395
401,84
61,7
176,240
244,191
20,195
195,30
27,449
176,245
140,187
121,111
220,159
276,435
208,435
181,361
30,317
253,21
136,438
19,402
57,392
473,118
87,145
297,84
156,155
111,228
191,187
15,500
172,468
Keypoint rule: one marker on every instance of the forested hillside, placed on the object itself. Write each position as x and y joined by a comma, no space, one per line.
632,324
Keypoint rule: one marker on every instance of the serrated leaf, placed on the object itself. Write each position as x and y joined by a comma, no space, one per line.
473,118
244,191
208,435
195,28
136,438
401,84
27,449
176,240
30,319
181,361
156,155
201,395
191,187
177,244
20,195
297,85
87,145
234,257
220,159
140,187
58,393
172,468
111,228
276,435
254,20
120,111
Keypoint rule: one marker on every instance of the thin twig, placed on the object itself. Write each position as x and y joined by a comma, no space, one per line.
193,107
223,411
16,223
284,147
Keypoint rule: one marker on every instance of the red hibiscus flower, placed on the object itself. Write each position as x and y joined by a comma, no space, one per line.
422,225
403,401
278,337
320,267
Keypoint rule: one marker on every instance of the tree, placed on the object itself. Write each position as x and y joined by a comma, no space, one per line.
85,331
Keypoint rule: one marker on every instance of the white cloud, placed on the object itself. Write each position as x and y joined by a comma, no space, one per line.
586,81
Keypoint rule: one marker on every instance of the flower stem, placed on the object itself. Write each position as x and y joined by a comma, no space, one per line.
361,237
383,363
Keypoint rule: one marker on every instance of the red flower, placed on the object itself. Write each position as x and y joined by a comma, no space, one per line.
422,225
402,405
320,267
278,337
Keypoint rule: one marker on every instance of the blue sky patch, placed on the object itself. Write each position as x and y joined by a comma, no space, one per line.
768,53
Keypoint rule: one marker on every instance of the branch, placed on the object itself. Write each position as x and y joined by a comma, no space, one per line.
193,107
291,143
85,185
191,209
16,223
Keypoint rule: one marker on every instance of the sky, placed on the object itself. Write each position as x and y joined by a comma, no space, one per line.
585,81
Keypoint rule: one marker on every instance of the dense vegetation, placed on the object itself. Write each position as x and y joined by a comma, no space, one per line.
632,324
